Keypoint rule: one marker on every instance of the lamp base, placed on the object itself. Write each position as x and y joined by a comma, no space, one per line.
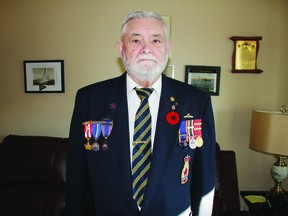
279,173
277,189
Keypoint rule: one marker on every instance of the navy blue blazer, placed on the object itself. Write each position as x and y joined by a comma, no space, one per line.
99,183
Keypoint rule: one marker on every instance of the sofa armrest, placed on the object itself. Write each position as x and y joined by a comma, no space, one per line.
226,198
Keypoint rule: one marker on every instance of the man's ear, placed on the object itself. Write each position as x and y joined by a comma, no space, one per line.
120,48
168,46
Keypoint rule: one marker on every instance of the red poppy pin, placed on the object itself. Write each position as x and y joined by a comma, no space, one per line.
172,118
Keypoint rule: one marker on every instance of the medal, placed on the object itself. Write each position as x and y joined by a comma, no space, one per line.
192,143
189,127
107,125
96,132
199,142
182,134
197,130
87,133
185,170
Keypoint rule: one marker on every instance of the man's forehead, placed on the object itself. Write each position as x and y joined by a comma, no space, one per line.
135,34
139,26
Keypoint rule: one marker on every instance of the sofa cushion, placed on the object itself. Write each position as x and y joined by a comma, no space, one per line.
33,199
32,176
33,159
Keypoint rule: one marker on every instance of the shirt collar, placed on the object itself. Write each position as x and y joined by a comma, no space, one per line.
156,86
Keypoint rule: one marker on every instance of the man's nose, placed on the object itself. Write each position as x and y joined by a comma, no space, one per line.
146,48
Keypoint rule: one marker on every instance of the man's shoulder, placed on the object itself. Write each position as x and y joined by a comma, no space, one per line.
102,86
186,88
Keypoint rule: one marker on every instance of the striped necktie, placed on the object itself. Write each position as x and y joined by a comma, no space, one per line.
141,159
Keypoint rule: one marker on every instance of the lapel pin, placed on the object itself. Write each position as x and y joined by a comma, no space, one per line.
188,116
113,106
172,117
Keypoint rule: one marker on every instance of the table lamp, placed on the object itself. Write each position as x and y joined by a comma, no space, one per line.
269,134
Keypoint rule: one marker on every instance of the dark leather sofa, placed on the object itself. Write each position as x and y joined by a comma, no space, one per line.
33,169
32,176
226,198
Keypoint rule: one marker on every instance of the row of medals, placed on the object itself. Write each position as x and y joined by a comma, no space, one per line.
186,135
104,126
190,141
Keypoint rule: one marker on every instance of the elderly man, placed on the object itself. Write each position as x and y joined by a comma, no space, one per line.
141,143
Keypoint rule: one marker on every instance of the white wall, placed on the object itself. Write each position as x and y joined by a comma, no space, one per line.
84,35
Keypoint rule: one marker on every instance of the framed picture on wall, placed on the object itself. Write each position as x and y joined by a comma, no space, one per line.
244,59
44,76
206,78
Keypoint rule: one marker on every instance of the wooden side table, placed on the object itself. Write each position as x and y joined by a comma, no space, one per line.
263,208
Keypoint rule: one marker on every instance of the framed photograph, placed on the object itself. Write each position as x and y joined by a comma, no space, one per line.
44,76
206,78
244,59
169,71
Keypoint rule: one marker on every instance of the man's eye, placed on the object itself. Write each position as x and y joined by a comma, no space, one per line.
157,41
136,41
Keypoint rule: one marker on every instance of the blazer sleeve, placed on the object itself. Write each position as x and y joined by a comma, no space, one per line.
203,167
78,192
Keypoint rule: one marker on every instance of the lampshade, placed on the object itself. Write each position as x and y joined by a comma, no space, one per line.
269,132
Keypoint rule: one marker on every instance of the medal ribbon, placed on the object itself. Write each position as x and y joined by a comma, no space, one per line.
182,132
189,126
197,129
87,129
106,127
96,129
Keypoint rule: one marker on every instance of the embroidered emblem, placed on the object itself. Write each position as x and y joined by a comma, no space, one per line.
185,170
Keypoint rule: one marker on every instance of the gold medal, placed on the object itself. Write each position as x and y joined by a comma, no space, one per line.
199,141
88,146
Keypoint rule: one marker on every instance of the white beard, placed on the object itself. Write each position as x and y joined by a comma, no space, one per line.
145,71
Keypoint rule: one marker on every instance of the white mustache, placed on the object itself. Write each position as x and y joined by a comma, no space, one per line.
146,57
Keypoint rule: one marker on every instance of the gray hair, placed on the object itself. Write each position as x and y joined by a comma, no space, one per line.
142,14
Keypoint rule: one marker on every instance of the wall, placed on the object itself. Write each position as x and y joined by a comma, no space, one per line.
84,34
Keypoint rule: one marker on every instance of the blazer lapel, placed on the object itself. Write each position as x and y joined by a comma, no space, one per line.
119,142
